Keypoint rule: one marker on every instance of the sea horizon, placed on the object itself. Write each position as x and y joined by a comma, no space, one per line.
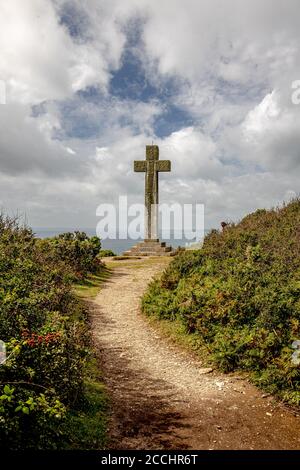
118,245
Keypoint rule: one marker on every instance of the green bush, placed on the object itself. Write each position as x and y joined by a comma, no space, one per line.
77,251
45,330
241,295
106,253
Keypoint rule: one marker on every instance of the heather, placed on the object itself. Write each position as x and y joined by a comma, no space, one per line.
239,296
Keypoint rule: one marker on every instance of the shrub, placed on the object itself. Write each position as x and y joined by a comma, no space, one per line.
44,328
106,253
77,251
241,294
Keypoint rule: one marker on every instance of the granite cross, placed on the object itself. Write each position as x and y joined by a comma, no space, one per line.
151,166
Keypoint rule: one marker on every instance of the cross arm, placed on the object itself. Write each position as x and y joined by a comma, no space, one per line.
140,165
163,165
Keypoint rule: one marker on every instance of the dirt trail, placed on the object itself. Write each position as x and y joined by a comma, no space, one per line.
160,397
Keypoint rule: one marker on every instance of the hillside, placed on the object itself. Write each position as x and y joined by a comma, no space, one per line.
49,395
239,297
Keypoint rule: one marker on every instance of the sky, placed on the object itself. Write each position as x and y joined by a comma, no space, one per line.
90,83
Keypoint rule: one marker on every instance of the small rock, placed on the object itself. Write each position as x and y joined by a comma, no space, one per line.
220,384
269,414
205,370
233,407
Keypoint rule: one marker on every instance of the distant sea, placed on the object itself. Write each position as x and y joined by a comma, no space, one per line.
117,246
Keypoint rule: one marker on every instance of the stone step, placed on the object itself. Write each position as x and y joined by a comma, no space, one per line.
131,253
149,248
151,244
152,248
149,253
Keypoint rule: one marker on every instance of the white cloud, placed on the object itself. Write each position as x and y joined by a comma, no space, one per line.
195,37
25,148
234,63
270,134
262,117
40,60
193,154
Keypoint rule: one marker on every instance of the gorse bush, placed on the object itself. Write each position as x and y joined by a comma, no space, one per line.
106,253
79,252
45,331
241,295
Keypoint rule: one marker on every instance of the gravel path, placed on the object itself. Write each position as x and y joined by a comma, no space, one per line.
161,396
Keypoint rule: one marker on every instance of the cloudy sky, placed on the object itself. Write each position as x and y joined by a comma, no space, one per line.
90,82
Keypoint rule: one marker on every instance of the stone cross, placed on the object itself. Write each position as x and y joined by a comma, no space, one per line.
151,166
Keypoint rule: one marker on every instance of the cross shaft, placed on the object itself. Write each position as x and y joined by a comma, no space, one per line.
151,167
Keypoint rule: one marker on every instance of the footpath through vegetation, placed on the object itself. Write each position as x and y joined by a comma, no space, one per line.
163,396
